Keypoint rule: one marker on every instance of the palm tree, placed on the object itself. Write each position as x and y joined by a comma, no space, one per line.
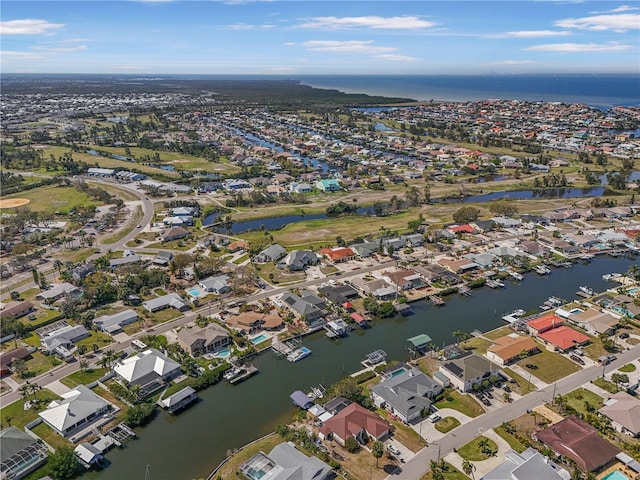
468,468
34,388
24,390
377,450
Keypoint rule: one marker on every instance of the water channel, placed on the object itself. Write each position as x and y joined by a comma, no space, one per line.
191,444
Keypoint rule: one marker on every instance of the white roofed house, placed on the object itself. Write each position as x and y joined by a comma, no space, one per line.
149,369
77,409
58,290
171,300
218,284
114,323
285,463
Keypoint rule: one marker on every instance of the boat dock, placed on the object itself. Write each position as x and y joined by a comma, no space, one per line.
121,433
437,300
285,348
464,290
247,372
374,358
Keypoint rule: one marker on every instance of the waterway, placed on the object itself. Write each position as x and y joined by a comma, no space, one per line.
191,444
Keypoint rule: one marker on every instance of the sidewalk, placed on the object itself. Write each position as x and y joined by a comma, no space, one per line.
525,374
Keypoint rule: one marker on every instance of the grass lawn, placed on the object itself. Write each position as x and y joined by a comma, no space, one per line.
46,433
53,198
125,195
510,439
473,451
402,433
606,385
265,445
447,424
523,386
579,397
75,256
100,339
83,378
629,367
39,363
165,315
279,276
551,366
595,349
498,332
460,402
478,344
451,473
182,245
15,414
428,365
43,316
241,259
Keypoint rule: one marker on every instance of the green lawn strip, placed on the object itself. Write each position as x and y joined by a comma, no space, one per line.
100,339
404,434
550,366
473,451
451,473
460,402
265,445
498,332
182,245
480,345
524,386
165,315
132,224
629,367
578,398
46,433
447,424
83,378
510,439
272,274
54,198
241,259
606,385
15,414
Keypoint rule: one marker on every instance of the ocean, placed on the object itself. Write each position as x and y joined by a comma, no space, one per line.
601,90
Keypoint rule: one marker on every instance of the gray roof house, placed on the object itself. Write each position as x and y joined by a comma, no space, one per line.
77,409
406,394
20,454
365,249
179,399
81,271
528,465
270,254
467,371
218,284
114,323
126,260
302,307
297,260
57,291
172,300
203,340
64,337
624,412
285,463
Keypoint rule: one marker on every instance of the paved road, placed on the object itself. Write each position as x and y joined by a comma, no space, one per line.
419,464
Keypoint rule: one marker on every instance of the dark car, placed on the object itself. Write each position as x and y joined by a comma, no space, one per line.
577,359
486,402
623,335
506,388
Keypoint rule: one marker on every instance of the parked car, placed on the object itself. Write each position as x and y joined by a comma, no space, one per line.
576,359
434,417
623,335
486,402
488,394
606,359
393,450
506,388
579,351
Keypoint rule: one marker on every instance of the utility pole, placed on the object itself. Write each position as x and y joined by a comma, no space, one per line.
553,397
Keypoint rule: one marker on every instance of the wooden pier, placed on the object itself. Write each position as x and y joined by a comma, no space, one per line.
437,300
248,372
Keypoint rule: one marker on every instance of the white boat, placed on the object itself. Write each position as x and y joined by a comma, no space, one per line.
611,277
517,276
588,256
514,316
587,291
233,373
542,269
298,354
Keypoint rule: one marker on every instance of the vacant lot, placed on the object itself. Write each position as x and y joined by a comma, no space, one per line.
580,398
549,366
478,449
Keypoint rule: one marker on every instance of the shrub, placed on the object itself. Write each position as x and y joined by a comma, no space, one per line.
364,376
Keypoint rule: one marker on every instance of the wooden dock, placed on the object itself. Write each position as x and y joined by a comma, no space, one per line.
248,372
436,300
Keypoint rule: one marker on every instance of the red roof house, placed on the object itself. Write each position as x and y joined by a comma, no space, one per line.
564,337
338,254
544,323
356,421
462,229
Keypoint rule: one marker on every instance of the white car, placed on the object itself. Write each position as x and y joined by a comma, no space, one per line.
434,417
393,450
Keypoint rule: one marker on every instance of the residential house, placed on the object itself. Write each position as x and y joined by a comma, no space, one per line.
61,341
82,271
508,349
298,260
185,211
406,395
357,422
88,454
20,454
7,358
172,300
77,409
576,439
16,309
624,412
328,185
404,279
150,369
114,323
58,290
270,254
218,284
179,221
528,465
126,260
437,273
162,258
468,371
285,462
594,321
544,323
339,254
175,233
237,246
305,308
458,265
196,341
378,288
253,322
550,329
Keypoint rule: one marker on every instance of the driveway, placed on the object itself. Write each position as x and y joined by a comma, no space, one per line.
427,429
405,453
485,466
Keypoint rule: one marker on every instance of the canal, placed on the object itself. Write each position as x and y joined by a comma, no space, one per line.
191,444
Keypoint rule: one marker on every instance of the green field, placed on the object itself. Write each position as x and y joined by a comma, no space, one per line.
462,403
579,398
52,198
83,378
550,366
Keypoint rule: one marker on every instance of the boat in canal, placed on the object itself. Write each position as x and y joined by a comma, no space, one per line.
587,291
299,354
517,276
542,269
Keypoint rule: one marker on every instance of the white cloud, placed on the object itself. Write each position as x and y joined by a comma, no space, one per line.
514,62
347,46
289,44
240,26
532,34
28,26
579,47
75,48
398,23
396,58
617,23
623,8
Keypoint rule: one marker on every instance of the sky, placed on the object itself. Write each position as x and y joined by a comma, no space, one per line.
316,37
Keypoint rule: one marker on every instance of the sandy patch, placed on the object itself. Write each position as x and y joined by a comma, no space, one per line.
13,202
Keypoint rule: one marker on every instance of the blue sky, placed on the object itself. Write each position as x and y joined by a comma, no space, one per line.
316,37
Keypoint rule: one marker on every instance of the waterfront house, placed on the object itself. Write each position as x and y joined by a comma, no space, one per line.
298,260
270,254
404,279
218,284
20,454
406,394
377,288
624,412
196,341
77,409
285,462
16,309
508,349
594,321
550,329
339,254
458,265
88,454
150,369
253,322
171,300
468,371
437,273
185,211
355,421
576,439
527,465
179,400
114,323
306,307
544,323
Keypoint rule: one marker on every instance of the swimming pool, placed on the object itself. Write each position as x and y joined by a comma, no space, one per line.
616,475
397,372
194,292
258,339
223,353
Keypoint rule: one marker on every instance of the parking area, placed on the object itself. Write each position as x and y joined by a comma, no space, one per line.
398,450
